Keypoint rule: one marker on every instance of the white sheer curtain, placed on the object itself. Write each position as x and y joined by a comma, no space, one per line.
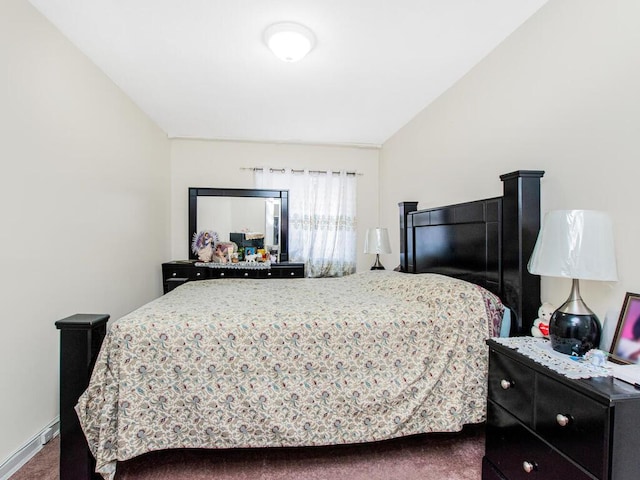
322,218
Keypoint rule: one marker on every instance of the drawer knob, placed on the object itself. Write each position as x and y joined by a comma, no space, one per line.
268,274
528,466
246,274
173,274
292,273
505,384
563,420
198,274
222,274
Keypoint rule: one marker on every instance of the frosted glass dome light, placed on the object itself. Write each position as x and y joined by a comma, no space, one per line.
289,41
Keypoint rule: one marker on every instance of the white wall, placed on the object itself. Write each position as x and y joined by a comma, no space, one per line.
560,94
203,163
84,209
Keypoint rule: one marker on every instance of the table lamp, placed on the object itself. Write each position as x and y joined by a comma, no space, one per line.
576,244
377,241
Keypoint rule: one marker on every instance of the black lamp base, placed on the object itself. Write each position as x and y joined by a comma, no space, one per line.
377,265
574,329
574,334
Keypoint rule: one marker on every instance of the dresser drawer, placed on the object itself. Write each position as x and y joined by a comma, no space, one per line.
511,385
174,282
237,273
293,270
220,273
512,449
564,415
184,271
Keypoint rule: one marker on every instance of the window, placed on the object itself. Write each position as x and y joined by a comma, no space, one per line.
322,218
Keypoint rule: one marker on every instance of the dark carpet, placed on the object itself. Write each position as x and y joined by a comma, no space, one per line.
455,456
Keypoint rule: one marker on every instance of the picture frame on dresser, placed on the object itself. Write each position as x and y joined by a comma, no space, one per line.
625,347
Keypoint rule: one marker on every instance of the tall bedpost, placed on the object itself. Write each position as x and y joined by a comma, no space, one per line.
81,336
406,243
521,223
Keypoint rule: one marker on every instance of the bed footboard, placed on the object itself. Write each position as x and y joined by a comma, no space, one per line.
81,336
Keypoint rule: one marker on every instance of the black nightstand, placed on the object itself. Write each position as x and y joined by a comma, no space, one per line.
543,425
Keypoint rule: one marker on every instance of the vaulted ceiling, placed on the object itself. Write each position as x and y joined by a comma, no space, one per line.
200,68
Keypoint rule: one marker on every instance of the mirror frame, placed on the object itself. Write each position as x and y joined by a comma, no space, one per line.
282,195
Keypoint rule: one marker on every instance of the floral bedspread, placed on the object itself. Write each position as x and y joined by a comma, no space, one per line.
291,362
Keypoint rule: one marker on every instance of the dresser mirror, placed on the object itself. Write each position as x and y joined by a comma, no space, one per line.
236,210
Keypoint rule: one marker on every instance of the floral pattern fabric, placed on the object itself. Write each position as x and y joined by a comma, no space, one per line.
291,362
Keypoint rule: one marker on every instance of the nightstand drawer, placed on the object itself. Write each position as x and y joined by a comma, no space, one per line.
511,385
513,449
595,437
489,471
563,416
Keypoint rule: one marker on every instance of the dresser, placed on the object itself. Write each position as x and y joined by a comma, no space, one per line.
181,271
544,425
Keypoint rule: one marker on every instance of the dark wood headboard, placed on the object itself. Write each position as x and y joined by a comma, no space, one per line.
487,242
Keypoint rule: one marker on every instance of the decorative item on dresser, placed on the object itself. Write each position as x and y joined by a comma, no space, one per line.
543,424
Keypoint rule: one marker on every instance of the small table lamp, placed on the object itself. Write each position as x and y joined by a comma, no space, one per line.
576,244
377,241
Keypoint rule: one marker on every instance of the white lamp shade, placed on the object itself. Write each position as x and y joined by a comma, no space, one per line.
377,241
575,244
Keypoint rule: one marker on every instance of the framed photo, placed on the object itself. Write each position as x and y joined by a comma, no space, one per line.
625,347
249,250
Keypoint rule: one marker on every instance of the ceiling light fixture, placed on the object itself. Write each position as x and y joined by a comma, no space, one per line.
289,41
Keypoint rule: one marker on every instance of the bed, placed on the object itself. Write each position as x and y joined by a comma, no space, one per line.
238,363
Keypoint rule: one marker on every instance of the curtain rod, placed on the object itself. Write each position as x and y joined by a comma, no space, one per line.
294,170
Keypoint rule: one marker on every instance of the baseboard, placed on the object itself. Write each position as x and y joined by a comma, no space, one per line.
26,452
